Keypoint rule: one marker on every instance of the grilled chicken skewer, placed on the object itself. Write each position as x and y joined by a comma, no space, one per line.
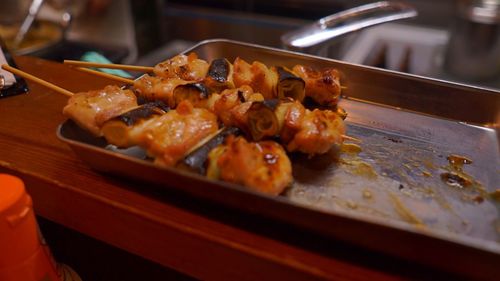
323,87
166,135
169,135
299,129
277,82
310,132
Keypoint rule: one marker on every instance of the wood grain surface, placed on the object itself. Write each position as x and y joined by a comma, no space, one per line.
197,238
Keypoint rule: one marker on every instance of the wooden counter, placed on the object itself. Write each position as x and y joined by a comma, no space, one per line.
197,238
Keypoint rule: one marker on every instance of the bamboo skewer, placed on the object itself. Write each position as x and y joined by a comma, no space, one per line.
35,79
107,75
109,65
138,68
346,137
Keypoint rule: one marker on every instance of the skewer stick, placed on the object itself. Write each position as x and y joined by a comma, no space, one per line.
109,65
107,75
346,137
35,79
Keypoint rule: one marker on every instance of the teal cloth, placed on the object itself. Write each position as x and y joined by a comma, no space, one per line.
98,58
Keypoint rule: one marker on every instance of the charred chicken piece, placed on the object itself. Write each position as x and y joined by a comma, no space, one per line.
260,166
90,110
196,159
321,86
196,93
189,68
220,75
171,136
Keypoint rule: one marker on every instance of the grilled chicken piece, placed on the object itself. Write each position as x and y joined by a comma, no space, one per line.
257,75
260,166
317,132
171,136
222,104
91,109
321,86
290,115
189,68
124,130
154,88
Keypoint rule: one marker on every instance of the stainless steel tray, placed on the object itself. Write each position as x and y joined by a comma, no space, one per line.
394,189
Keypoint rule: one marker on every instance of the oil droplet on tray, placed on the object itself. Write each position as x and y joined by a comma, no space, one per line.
367,194
350,148
456,179
458,161
351,204
478,199
405,213
364,169
426,174
455,176
495,195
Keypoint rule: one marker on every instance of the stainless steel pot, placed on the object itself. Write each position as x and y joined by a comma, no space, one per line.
313,38
42,37
473,51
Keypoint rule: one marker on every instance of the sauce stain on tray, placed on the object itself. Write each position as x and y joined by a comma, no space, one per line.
399,178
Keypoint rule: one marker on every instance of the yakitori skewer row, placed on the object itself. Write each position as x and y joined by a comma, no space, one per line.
299,82
171,135
187,114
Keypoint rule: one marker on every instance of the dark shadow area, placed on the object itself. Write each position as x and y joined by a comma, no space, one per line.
94,260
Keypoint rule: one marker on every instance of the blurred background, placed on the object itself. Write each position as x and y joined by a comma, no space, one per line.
457,40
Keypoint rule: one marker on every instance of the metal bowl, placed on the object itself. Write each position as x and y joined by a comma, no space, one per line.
43,36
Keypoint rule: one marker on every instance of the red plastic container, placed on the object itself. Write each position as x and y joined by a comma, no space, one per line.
24,255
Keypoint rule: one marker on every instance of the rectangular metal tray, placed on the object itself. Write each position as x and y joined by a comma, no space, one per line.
393,189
